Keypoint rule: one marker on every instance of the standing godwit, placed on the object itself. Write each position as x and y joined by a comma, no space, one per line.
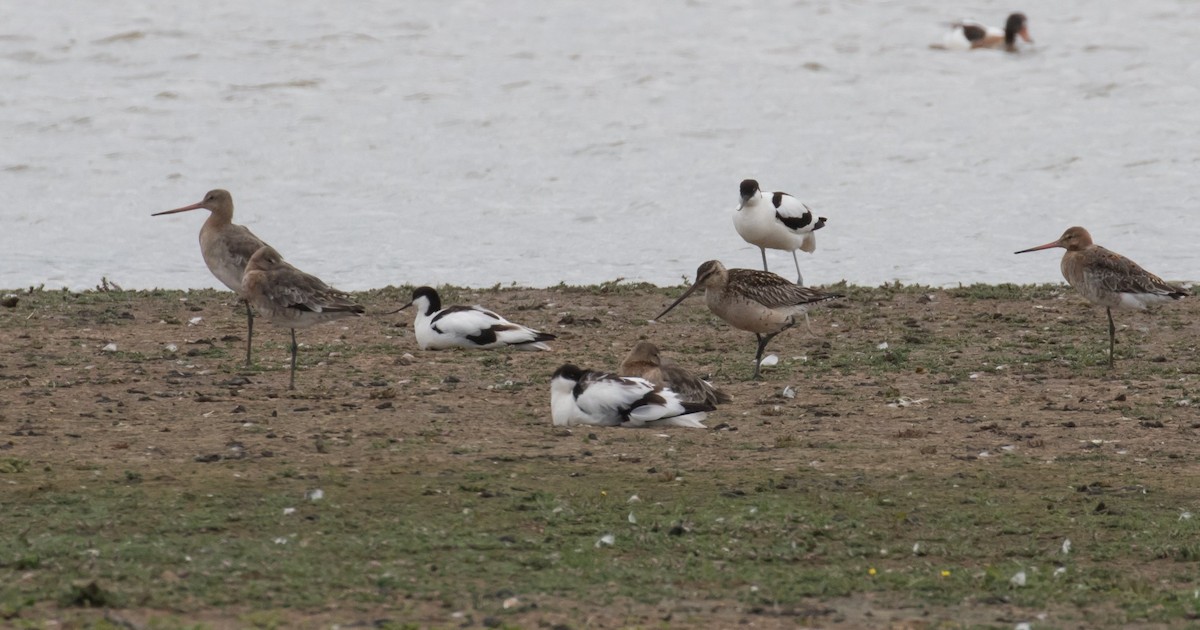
580,396
438,328
1107,278
290,298
225,246
969,34
755,301
782,223
644,361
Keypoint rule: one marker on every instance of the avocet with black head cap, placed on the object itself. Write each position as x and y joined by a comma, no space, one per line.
776,221
586,397
438,328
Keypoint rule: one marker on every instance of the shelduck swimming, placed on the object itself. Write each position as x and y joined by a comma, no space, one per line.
439,328
776,221
1108,279
586,397
644,361
969,34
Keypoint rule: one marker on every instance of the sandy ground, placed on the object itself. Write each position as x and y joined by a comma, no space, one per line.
152,381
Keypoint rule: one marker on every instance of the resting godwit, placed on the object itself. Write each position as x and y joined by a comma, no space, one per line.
225,246
755,301
644,361
290,298
969,34
580,396
1107,278
783,223
439,328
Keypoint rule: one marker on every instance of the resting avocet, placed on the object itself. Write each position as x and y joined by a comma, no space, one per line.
1108,279
579,396
439,328
644,361
969,34
225,246
779,221
755,301
290,298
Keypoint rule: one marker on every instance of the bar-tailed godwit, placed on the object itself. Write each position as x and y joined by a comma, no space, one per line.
438,328
226,247
969,34
778,222
290,298
1107,278
644,361
579,396
755,301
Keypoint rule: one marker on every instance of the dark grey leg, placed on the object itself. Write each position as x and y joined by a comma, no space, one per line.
763,250
1112,337
292,380
249,331
763,340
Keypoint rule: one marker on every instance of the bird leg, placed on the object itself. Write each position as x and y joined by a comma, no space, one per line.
799,276
1112,336
249,330
292,380
763,251
763,340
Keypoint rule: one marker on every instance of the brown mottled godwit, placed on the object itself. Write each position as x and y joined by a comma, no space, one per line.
225,246
780,222
1107,278
644,361
579,396
290,298
755,301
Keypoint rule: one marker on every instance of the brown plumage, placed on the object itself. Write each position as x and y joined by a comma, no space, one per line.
1108,279
751,300
644,361
226,247
290,298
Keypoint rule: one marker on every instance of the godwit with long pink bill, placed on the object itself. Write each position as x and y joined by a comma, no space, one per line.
1108,279
755,301
290,298
645,361
782,222
579,396
226,247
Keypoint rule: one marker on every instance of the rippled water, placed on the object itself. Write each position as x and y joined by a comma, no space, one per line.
538,142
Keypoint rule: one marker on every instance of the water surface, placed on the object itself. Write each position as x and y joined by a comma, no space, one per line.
477,143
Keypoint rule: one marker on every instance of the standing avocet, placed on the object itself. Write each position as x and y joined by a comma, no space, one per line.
439,328
644,361
755,301
969,34
290,298
778,222
1108,279
226,247
579,396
